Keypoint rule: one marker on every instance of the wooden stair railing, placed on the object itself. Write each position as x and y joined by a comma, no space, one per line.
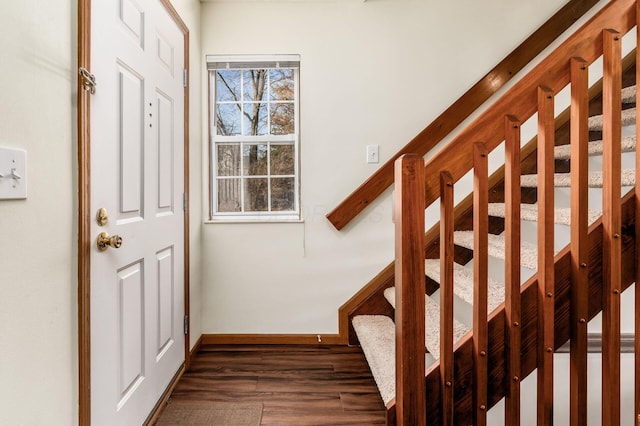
462,108
563,286
362,304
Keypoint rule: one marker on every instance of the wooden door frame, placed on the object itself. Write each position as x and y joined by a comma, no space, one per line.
85,239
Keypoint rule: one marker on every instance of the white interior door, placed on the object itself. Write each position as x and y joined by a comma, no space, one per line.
137,175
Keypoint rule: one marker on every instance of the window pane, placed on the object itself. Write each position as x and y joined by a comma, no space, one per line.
228,119
229,195
281,84
254,159
255,195
282,119
255,119
282,160
229,160
282,194
228,85
254,141
255,85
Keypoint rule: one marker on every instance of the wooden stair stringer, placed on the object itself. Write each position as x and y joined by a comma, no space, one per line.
463,350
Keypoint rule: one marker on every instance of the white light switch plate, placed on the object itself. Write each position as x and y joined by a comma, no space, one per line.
13,174
373,154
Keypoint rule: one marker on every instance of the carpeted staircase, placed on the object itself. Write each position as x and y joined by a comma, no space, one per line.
376,333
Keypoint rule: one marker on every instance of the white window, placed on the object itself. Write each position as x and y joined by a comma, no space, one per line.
254,137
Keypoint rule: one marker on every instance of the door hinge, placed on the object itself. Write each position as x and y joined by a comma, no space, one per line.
185,77
88,80
185,201
186,324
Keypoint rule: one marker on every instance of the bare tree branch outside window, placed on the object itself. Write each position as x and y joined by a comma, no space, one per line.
255,176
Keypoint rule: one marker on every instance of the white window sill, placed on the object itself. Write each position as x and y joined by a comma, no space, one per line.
265,220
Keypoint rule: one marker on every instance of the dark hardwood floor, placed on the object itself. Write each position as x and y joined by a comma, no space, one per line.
298,385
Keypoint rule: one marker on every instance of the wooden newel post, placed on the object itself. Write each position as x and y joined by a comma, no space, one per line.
409,205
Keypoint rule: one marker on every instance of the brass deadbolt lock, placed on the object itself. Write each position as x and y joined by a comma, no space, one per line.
102,217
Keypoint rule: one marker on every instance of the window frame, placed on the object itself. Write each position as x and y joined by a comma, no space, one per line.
243,63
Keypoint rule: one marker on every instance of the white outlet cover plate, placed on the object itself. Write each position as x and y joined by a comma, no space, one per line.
13,163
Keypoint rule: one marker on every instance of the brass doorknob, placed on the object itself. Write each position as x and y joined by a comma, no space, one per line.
105,241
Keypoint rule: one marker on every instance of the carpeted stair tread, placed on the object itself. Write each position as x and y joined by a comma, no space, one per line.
628,118
431,322
463,283
563,152
528,251
529,212
563,180
629,95
377,336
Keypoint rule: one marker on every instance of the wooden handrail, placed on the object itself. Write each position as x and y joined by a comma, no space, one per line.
377,183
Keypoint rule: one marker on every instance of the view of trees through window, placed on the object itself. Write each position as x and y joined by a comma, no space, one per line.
255,131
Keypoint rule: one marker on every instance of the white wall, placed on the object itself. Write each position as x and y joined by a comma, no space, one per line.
38,286
373,72
38,267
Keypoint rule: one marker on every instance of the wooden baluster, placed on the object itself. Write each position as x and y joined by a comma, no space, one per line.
446,297
637,205
410,290
480,275
612,228
546,285
512,268
579,234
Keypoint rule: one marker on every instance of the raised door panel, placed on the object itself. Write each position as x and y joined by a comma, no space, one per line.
165,301
131,311
131,133
165,145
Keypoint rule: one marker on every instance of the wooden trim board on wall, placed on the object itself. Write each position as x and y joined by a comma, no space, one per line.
85,215
595,341
272,339
196,347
